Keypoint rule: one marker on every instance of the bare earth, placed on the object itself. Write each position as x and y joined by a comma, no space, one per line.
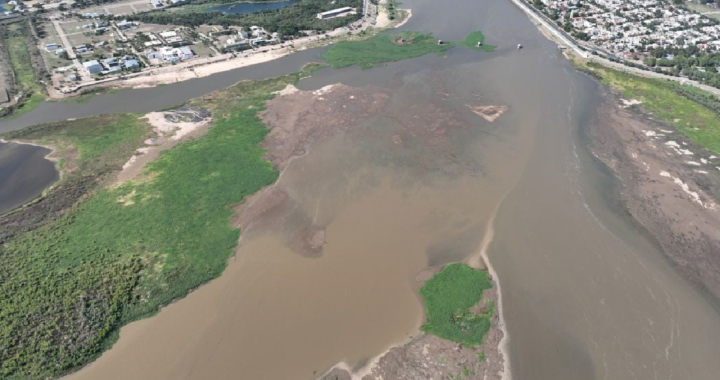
670,185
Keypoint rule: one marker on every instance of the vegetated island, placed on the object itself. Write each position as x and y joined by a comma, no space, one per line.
103,247
383,48
462,338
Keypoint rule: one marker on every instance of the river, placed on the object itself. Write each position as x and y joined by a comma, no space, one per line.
586,293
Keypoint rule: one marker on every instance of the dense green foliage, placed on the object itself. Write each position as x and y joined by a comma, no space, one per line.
689,110
288,21
394,47
123,251
17,41
476,40
448,297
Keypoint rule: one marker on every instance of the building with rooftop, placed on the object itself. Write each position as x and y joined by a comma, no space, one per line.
92,67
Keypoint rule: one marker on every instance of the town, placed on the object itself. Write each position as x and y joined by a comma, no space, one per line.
82,47
650,34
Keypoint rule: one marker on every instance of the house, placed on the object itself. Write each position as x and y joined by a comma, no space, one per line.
156,3
92,67
130,64
125,24
242,33
110,62
185,53
52,46
73,77
334,13
110,70
59,51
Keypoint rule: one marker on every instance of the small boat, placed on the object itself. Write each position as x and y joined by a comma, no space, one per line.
520,46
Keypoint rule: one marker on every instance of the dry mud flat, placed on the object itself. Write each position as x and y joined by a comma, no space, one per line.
299,119
668,184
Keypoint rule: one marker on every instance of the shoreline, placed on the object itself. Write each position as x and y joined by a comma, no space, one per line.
230,61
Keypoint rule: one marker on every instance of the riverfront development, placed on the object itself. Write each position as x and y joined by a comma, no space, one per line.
370,197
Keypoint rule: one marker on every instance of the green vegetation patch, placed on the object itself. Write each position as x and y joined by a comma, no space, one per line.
17,42
448,297
124,250
691,111
384,48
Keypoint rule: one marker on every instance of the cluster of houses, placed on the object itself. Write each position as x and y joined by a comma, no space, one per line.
167,47
159,4
257,36
629,28
110,65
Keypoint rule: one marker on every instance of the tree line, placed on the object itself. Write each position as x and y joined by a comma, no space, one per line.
288,21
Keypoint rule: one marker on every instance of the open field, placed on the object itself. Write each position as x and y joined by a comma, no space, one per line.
674,103
124,250
449,296
17,42
704,9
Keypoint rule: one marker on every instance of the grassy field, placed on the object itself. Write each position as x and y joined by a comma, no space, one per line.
683,107
384,48
122,251
17,45
448,297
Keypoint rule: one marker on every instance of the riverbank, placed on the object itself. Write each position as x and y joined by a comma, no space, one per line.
668,183
199,68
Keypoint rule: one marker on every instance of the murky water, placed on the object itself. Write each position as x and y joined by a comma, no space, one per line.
586,294
24,174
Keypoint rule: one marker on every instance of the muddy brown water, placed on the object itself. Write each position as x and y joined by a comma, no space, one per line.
24,174
586,294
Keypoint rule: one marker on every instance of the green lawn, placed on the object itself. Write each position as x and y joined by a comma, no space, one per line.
675,104
384,48
125,250
448,297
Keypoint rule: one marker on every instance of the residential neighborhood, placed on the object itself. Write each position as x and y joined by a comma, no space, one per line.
629,29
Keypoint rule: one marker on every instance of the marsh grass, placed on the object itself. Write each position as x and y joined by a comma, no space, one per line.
448,297
123,251
383,48
684,108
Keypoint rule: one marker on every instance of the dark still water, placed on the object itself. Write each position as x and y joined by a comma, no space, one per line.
245,8
24,174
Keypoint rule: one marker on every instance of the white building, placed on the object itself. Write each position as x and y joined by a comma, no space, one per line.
335,12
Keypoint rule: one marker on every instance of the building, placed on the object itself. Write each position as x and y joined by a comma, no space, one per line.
52,46
130,64
125,24
92,67
156,3
334,12
110,62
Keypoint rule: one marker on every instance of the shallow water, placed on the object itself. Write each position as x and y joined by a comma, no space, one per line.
586,294
24,174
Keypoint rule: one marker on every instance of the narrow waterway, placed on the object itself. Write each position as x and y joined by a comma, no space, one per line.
587,295
24,174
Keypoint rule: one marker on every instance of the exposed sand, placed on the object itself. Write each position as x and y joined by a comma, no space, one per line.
167,135
489,113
